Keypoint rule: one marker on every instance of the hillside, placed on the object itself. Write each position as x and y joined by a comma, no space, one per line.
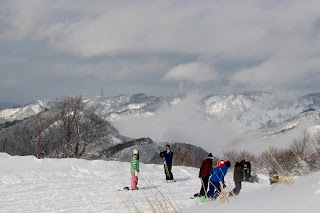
72,185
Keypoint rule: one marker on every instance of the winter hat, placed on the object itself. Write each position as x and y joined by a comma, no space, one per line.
243,161
135,152
228,164
210,156
221,163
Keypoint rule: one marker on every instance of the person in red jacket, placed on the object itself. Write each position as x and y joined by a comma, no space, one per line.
205,168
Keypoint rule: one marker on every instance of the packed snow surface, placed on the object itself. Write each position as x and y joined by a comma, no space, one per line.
33,185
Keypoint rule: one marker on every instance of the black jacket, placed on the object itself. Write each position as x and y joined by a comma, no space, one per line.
238,172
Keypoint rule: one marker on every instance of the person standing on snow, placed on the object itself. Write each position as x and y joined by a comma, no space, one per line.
134,169
205,168
167,155
237,178
217,176
247,171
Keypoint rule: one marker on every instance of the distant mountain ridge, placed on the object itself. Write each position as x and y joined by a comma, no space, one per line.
262,116
251,110
20,113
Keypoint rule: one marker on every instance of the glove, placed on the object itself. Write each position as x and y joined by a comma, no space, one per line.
224,186
136,173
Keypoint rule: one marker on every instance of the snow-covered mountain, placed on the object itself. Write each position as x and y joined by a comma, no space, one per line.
258,109
137,105
20,113
259,113
250,110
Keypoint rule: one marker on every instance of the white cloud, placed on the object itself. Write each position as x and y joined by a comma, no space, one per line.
193,72
22,18
284,34
278,72
228,29
182,123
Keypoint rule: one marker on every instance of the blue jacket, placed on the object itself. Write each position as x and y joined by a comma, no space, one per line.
168,156
218,174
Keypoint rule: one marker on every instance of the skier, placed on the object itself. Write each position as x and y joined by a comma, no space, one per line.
134,169
205,168
217,176
167,163
237,178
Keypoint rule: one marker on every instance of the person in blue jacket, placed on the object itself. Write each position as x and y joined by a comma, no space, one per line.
167,155
217,176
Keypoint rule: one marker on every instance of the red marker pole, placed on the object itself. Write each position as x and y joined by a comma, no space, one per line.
38,147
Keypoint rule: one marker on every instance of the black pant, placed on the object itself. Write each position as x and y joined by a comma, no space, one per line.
167,171
247,176
204,185
237,189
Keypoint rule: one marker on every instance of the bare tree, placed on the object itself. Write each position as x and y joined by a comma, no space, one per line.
316,143
301,146
79,125
235,155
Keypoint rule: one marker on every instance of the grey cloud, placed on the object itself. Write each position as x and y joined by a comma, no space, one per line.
229,29
134,45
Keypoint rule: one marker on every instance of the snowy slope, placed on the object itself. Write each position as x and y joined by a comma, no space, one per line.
21,113
302,196
137,105
71,185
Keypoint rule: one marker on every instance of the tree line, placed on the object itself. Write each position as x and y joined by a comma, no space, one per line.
67,129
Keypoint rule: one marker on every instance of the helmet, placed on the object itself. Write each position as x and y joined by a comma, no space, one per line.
221,163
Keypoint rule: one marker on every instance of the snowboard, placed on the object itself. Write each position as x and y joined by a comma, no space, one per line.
202,199
170,181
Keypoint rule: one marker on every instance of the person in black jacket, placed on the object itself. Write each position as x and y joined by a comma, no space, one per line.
167,155
247,171
237,178
205,168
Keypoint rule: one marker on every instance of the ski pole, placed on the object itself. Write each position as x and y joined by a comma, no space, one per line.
204,188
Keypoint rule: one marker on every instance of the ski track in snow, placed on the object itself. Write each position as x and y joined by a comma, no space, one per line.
28,184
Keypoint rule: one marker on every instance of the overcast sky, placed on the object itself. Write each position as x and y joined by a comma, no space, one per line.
50,49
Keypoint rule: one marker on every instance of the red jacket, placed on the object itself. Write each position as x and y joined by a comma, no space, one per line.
205,168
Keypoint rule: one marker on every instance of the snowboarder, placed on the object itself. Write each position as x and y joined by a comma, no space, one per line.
217,176
134,169
205,168
237,178
167,155
273,177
